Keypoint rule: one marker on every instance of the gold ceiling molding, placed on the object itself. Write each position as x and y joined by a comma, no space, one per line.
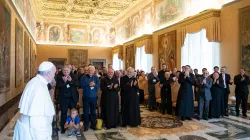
82,11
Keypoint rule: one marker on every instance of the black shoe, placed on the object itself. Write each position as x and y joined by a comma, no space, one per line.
244,115
183,118
198,118
226,115
93,127
85,129
188,118
63,131
206,118
237,114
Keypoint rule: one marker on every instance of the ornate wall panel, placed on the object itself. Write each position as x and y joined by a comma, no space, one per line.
244,36
5,36
26,60
18,53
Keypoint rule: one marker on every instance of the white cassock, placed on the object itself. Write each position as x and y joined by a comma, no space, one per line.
36,112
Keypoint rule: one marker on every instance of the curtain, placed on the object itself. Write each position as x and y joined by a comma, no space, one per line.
199,53
142,60
117,63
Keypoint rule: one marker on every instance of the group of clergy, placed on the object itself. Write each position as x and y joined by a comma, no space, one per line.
37,109
111,84
211,91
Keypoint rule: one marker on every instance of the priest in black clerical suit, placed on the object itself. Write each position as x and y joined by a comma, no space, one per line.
131,109
185,99
161,73
110,88
241,91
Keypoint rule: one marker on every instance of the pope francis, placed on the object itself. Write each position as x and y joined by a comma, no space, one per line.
36,107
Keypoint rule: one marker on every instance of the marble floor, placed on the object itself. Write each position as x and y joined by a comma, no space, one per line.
227,128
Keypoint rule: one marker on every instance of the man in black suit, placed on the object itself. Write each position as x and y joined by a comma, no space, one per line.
241,82
161,73
216,69
68,94
226,90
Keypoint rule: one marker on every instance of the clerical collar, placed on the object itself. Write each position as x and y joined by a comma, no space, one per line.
42,79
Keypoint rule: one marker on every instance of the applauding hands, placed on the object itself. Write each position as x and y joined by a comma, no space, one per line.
66,78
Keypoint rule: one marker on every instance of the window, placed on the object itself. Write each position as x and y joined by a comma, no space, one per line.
117,63
199,53
143,61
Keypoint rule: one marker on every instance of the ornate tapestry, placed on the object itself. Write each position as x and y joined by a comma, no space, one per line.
167,49
244,36
26,59
5,36
78,57
130,56
18,54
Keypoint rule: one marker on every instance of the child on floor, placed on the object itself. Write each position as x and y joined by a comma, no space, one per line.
73,123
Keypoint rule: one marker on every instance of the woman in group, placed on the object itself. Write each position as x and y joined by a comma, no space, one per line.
166,98
131,108
217,102
142,81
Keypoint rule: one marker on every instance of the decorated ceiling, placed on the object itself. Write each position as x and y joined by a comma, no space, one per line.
81,11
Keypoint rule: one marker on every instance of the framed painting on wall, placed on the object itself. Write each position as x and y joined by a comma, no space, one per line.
18,53
5,36
58,62
78,57
167,49
77,34
26,60
98,63
244,37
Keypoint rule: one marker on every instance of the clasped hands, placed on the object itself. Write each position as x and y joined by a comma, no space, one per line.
135,82
91,84
115,86
66,78
186,74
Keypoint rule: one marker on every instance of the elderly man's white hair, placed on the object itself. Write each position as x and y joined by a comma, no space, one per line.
91,67
130,69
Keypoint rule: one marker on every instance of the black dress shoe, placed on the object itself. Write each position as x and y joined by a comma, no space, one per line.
93,127
188,118
183,118
63,131
85,129
237,114
244,115
226,115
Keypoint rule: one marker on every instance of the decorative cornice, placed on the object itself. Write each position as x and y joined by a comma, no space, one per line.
201,16
143,37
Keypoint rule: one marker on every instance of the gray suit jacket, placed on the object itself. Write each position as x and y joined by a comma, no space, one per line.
204,89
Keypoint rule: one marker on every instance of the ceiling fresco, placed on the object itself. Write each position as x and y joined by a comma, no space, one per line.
81,11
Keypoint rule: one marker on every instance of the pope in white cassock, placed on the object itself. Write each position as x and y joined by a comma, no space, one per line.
36,107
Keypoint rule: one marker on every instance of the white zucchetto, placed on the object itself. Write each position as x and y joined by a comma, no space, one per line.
44,66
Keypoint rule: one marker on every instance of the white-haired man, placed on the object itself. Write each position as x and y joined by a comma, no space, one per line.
130,102
36,107
90,84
